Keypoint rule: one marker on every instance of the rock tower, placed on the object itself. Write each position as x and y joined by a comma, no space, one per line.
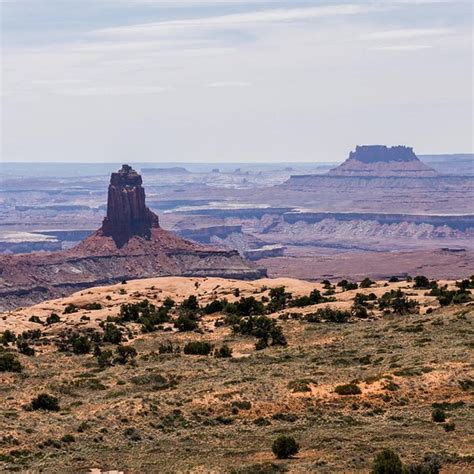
127,214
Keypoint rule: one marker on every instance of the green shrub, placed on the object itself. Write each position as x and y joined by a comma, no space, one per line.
197,348
125,354
348,389
366,283
93,306
284,447
347,285
184,323
223,352
45,402
25,348
329,315
53,318
104,358
112,334
215,306
68,438
397,302
81,344
449,427
9,362
7,337
393,279
387,462
35,319
70,308
438,415
190,304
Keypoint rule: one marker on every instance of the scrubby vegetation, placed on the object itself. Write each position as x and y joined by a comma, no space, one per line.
224,376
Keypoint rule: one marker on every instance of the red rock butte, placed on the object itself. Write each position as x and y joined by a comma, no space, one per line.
127,214
129,245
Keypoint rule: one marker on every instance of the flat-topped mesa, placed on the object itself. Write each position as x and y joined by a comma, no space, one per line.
127,214
382,161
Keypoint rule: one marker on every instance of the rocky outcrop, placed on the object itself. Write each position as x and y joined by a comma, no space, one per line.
127,214
382,161
129,245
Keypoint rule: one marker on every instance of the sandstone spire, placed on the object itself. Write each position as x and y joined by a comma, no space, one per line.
127,214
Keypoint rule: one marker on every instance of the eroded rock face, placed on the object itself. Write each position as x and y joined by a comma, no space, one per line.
127,214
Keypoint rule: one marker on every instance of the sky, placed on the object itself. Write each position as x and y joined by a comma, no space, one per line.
233,80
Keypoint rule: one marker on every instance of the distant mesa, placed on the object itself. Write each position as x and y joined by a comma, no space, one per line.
129,245
382,161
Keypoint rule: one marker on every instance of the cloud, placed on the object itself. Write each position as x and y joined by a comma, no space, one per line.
229,84
407,33
115,90
241,19
401,47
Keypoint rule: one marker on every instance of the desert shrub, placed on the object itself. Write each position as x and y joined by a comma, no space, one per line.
397,302
215,306
7,337
438,415
169,302
32,334
190,304
35,319
466,384
70,308
449,427
25,348
348,389
366,283
284,447
387,462
184,323
314,297
393,279
112,333
168,348
263,328
347,285
68,438
81,344
45,402
53,318
197,348
223,352
246,307
9,362
431,465
329,315
447,297
300,385
104,358
359,311
279,299
421,282
125,354
93,306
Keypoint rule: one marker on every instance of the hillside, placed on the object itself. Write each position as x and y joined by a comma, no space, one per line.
164,410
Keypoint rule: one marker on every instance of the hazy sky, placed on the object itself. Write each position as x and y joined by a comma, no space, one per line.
233,80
